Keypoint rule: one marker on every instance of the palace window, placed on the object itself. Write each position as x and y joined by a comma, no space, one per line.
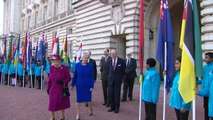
45,13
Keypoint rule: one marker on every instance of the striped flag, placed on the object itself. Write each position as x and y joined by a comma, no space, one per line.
187,44
16,57
10,52
24,51
79,53
64,52
55,44
29,52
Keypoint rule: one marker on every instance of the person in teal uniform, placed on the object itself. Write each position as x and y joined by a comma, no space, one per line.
150,89
47,66
5,72
176,101
84,81
20,71
208,91
1,68
12,71
73,63
38,74
31,74
208,70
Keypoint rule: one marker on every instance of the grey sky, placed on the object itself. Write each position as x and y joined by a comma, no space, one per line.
1,17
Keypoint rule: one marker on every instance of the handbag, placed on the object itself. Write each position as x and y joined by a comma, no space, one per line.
65,91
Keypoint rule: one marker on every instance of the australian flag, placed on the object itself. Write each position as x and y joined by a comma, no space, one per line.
165,43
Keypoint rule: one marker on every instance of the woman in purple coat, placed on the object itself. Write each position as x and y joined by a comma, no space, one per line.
84,81
58,78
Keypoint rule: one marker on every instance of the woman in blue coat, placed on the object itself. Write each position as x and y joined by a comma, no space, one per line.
176,101
84,81
150,89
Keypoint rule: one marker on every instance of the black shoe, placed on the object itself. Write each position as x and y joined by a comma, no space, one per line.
77,118
38,87
110,110
107,105
130,99
86,105
116,111
123,100
104,104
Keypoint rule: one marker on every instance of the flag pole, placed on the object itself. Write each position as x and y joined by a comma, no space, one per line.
164,89
41,77
1,75
8,78
16,74
141,51
23,77
140,103
31,81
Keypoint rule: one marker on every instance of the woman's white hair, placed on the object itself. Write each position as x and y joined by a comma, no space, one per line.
84,54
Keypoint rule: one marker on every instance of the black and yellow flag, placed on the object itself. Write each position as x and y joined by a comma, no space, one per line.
187,71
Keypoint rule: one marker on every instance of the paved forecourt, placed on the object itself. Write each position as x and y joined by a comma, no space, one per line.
17,103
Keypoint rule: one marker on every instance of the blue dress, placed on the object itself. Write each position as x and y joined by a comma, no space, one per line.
83,80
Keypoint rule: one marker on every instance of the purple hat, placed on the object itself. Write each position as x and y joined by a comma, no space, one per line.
56,57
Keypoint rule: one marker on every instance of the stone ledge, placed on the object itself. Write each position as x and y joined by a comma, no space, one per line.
207,28
206,3
207,11
207,20
207,37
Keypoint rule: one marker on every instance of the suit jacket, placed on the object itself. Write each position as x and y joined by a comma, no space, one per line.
116,76
104,68
131,68
92,61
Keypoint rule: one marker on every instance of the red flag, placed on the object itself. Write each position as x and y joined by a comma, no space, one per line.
141,45
24,52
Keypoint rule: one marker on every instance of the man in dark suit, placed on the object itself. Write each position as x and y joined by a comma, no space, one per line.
116,73
93,62
104,68
129,78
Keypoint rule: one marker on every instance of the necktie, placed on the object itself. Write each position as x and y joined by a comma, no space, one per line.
105,59
114,64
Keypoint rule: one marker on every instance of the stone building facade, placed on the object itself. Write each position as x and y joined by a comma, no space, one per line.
102,23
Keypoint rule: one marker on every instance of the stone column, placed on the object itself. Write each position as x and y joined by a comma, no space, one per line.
207,25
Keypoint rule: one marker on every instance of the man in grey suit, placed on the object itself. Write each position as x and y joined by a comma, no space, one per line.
116,74
104,68
129,78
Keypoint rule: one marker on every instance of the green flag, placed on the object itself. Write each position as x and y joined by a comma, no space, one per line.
10,51
197,37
